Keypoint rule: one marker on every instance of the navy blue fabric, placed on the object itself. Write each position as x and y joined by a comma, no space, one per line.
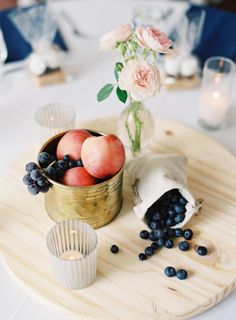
219,34
17,47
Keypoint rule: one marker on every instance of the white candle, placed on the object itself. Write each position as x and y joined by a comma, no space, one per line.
72,255
213,107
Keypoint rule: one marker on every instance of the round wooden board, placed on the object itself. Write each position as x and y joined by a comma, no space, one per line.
127,288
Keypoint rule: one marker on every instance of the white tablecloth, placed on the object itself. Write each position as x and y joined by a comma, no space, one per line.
19,100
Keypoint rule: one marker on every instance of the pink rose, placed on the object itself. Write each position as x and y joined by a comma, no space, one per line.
109,40
140,79
154,39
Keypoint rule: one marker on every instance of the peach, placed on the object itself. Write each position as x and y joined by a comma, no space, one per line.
78,177
103,156
71,144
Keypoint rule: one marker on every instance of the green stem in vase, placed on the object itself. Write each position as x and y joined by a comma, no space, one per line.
135,139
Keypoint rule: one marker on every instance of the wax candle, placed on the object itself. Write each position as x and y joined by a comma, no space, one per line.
71,255
213,107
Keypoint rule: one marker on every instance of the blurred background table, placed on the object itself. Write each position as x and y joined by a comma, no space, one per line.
19,99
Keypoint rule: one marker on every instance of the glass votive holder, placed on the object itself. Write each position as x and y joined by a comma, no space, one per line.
215,95
54,118
72,246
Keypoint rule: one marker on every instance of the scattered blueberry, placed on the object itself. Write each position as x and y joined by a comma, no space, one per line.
181,274
170,271
44,189
142,256
154,225
169,243
152,236
114,249
170,222
161,242
144,234
71,164
159,233
27,180
171,212
202,251
157,216
149,251
154,245
170,233
44,159
184,246
188,234
179,232
31,166
35,174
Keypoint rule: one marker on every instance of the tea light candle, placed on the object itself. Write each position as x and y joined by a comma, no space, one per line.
213,107
215,94
72,255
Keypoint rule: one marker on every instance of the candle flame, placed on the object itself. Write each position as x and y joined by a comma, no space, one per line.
216,95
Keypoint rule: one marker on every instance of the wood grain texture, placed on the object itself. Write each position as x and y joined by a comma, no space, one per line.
127,288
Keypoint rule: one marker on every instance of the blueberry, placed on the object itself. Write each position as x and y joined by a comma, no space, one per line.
144,234
148,215
35,174
170,233
175,198
50,172
183,201
159,233
44,189
142,256
171,212
59,173
152,236
161,242
170,222
149,251
179,208
33,189
179,232
157,216
44,159
184,246
162,224
27,180
188,234
179,218
61,164
154,245
66,158
114,249
79,163
153,225
202,251
181,274
71,164
170,271
31,166
169,243
42,181
165,203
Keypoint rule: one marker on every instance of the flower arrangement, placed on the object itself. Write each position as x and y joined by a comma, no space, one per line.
138,77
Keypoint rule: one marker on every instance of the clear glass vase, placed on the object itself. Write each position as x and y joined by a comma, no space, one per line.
136,127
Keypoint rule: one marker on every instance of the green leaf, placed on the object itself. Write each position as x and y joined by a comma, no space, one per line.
154,54
118,68
121,94
105,92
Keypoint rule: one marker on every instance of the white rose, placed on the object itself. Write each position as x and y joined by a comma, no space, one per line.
140,79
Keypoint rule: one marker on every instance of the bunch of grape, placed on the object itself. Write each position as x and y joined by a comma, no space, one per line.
35,180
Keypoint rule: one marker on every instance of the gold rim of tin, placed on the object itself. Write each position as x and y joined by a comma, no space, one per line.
77,187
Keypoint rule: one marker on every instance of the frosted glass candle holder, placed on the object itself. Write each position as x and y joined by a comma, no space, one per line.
54,118
72,246
215,95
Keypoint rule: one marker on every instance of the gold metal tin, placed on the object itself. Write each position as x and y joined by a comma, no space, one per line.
97,204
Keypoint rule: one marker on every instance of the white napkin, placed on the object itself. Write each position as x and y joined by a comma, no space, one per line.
154,175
